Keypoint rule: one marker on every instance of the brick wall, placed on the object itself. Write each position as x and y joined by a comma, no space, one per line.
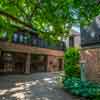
92,58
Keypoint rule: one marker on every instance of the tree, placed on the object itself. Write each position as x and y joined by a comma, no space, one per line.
49,18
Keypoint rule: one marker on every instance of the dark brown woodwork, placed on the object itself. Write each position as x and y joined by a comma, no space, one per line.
29,49
28,64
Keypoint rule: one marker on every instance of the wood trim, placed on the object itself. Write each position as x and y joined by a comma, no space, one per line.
6,46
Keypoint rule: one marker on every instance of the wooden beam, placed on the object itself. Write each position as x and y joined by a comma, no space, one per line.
6,46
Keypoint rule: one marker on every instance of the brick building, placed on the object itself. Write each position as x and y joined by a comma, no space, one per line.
90,51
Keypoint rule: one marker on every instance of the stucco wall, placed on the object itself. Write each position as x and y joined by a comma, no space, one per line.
76,41
54,64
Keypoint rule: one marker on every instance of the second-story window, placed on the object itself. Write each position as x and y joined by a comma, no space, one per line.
71,41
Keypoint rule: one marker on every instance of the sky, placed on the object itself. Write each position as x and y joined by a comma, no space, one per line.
76,28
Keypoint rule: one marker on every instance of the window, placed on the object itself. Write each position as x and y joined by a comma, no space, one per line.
71,41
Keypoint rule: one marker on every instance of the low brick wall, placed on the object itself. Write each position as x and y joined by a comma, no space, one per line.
92,58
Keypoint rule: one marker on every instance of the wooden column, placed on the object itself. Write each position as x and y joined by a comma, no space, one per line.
48,64
62,65
28,63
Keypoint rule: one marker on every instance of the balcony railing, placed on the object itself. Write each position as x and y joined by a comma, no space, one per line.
33,40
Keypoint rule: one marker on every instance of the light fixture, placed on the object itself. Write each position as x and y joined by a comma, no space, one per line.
92,34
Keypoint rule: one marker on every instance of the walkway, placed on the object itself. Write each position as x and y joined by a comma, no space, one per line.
42,86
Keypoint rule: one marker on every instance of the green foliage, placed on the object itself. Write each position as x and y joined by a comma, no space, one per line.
85,89
72,56
51,18
8,36
96,98
71,62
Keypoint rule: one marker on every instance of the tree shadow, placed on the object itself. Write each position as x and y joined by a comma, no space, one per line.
31,87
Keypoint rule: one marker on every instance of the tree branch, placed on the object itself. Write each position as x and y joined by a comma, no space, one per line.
33,11
98,2
3,13
28,27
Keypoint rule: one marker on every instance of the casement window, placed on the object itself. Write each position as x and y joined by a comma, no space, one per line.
71,41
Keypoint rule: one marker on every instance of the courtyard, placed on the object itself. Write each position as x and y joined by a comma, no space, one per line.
39,86
43,40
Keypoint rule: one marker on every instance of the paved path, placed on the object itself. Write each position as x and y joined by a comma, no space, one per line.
41,86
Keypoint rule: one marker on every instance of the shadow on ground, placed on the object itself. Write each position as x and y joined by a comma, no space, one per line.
41,86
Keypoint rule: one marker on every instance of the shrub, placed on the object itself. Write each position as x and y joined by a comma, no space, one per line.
71,59
80,88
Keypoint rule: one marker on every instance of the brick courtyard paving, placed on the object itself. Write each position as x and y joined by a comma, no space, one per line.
41,86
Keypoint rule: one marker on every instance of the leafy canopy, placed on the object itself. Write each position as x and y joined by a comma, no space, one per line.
50,18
